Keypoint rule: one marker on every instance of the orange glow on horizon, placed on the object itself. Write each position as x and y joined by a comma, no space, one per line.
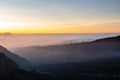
62,30
36,28
59,16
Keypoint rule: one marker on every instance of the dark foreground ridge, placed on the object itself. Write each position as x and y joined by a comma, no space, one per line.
20,61
9,70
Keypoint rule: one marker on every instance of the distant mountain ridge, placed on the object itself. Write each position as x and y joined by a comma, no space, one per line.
73,52
117,38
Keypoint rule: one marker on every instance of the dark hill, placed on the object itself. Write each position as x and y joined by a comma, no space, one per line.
21,62
10,71
7,66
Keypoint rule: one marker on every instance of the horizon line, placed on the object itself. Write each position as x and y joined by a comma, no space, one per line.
9,33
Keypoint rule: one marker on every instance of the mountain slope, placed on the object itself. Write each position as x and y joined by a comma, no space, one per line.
9,70
21,62
7,66
74,52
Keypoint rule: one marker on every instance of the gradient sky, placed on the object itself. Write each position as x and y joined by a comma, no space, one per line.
60,16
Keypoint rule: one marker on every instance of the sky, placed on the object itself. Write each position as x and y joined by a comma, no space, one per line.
60,16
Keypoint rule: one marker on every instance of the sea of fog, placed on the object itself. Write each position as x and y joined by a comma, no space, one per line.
16,41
